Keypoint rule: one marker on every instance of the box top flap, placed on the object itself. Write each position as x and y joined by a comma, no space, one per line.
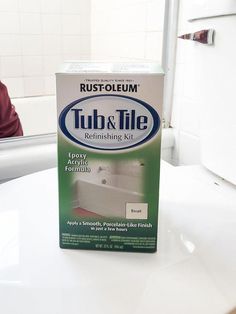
75,67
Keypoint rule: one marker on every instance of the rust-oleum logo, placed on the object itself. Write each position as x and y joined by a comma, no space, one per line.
130,88
109,122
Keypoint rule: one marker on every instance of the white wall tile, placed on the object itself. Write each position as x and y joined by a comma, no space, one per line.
99,21
74,56
130,45
34,86
74,24
30,23
50,6
15,87
75,6
103,4
155,15
128,19
9,6
51,64
154,46
121,3
32,65
51,24
31,45
134,32
10,45
77,45
85,23
11,66
98,50
30,6
50,85
52,44
9,23
134,45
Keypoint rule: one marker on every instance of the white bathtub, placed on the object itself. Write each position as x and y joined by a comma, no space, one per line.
37,114
109,196
36,150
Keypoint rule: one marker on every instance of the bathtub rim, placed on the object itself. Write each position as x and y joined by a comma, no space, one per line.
110,187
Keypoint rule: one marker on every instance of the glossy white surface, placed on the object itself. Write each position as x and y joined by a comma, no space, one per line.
218,127
194,270
203,115
209,8
21,156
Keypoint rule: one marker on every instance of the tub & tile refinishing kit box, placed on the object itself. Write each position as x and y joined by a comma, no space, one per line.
109,138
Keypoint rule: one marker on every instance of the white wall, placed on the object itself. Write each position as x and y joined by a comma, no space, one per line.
128,29
35,37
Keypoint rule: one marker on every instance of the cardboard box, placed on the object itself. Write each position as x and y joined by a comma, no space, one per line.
109,139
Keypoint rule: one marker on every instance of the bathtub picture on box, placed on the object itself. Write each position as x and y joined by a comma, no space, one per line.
106,190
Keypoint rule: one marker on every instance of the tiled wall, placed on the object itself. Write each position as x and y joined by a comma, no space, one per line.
128,29
35,37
